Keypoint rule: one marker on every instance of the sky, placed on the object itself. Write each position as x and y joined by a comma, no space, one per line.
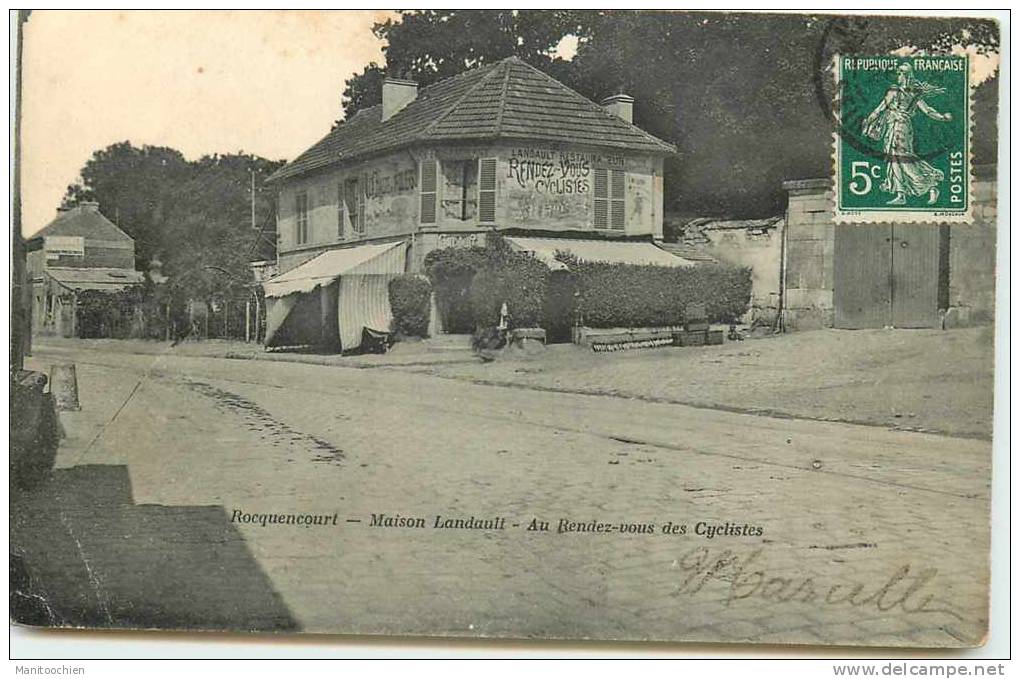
264,82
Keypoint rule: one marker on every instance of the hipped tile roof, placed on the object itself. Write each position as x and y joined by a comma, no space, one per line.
85,222
508,100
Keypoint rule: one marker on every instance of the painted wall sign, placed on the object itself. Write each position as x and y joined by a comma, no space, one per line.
378,184
66,246
555,172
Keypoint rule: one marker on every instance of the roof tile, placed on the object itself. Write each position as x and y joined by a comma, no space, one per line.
509,99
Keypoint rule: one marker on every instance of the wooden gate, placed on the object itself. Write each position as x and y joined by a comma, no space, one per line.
886,275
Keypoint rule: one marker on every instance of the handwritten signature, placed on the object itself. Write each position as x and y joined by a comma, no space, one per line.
907,589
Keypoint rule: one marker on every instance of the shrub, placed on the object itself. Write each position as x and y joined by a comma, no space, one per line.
629,295
472,283
518,279
410,297
451,271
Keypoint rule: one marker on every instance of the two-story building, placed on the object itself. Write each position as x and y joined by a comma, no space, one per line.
79,252
503,147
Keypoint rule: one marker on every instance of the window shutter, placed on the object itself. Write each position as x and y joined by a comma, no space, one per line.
617,213
341,211
301,209
428,191
359,225
601,198
487,190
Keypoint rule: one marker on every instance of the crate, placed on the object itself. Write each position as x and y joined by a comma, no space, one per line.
714,337
688,338
696,325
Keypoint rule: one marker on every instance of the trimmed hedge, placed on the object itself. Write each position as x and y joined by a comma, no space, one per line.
521,281
635,296
472,283
451,271
410,296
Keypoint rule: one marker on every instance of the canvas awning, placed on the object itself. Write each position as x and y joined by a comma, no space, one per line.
304,307
323,269
101,279
612,252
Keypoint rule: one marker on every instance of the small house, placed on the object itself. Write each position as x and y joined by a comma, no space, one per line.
503,147
80,255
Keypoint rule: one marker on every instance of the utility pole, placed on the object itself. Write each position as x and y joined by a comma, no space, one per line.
252,170
21,312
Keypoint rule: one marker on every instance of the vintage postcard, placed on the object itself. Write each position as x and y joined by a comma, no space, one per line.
536,324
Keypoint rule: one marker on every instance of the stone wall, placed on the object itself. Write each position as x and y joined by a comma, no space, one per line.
810,241
810,238
759,249
972,258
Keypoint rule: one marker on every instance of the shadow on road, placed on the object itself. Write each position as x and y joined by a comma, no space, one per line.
83,554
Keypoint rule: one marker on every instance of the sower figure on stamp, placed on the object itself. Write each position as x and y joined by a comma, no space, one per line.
890,123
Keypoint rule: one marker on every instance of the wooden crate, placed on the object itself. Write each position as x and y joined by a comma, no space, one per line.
688,338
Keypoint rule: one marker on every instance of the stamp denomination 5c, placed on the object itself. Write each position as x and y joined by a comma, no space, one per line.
903,139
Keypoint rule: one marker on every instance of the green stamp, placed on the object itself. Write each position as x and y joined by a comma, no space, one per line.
903,139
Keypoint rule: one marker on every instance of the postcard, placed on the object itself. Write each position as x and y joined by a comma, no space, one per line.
531,324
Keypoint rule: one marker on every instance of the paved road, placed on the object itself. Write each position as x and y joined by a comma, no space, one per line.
866,535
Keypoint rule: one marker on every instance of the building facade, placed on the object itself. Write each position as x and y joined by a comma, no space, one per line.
502,147
499,148
79,253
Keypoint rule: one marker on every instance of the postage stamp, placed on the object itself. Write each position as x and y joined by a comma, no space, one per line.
903,139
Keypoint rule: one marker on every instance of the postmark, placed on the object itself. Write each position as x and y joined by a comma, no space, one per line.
902,146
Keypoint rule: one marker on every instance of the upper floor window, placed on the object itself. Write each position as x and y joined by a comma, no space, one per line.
487,190
459,190
343,220
354,198
301,210
609,200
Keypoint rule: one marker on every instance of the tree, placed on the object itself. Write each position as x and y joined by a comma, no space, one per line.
208,236
429,45
193,216
746,98
362,91
132,186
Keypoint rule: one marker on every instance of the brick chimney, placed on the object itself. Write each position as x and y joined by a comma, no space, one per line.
89,206
620,105
396,94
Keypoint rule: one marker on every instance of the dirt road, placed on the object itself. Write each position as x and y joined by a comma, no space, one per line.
792,530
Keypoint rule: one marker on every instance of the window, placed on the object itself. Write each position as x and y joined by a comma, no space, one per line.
429,181
459,189
354,200
487,190
301,209
342,218
609,201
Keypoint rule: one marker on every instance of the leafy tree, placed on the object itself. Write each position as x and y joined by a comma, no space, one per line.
132,186
429,45
362,91
745,97
193,216
208,236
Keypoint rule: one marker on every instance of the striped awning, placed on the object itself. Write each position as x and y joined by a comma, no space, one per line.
323,269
